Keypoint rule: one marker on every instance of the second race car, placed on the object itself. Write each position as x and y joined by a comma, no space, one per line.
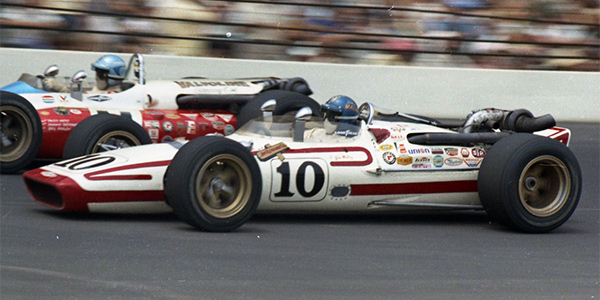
52,117
350,161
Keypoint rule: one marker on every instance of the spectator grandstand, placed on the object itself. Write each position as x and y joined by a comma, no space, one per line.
498,34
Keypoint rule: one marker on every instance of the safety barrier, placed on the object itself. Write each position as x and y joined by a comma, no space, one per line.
436,92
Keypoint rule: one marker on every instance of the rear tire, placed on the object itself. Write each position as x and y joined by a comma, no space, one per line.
104,132
213,184
21,133
287,102
529,183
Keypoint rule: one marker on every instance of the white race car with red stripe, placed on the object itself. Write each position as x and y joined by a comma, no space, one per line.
36,123
529,182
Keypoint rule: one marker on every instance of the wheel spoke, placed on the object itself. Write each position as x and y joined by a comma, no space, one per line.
107,147
211,198
227,191
6,121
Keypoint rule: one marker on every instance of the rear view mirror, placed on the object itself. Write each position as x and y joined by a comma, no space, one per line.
51,71
76,82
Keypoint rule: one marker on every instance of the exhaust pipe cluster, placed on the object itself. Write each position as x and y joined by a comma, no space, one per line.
480,126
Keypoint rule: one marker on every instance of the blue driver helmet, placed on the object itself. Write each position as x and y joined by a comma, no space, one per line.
114,65
343,111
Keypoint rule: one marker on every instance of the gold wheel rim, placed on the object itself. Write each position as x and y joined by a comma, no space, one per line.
115,140
223,186
17,133
544,186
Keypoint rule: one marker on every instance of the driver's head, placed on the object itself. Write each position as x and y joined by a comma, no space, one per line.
110,71
341,116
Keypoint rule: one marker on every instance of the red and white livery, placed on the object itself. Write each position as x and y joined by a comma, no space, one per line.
492,161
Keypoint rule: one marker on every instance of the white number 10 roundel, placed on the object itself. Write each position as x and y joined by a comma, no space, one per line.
299,180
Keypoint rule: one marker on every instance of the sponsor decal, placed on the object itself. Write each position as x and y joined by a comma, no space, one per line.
188,84
451,151
203,127
99,98
402,149
75,111
419,151
151,124
167,126
190,116
472,162
386,147
389,158
226,118
48,174
421,160
63,98
180,128
272,151
191,127
404,160
209,116
437,151
44,113
229,129
453,161
421,166
48,99
479,153
61,110
396,136
438,161
218,125
154,113
153,133
464,152
172,116
167,139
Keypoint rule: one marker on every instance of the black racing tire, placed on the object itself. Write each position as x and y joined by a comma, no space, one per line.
21,131
287,102
529,183
213,184
104,132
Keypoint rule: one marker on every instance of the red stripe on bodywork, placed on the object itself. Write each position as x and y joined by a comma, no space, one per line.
365,162
439,187
98,174
63,193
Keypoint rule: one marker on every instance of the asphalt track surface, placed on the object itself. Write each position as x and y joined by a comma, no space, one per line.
460,255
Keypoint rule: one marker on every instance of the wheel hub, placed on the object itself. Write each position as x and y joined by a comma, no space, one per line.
544,186
531,183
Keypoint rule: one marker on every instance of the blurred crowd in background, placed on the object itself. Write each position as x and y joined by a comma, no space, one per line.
498,34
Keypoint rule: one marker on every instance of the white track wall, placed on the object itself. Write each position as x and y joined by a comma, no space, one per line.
436,92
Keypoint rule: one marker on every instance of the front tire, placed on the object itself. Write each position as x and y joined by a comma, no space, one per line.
529,183
104,132
21,133
213,184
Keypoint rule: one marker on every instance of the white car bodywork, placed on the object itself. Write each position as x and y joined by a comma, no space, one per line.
379,169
